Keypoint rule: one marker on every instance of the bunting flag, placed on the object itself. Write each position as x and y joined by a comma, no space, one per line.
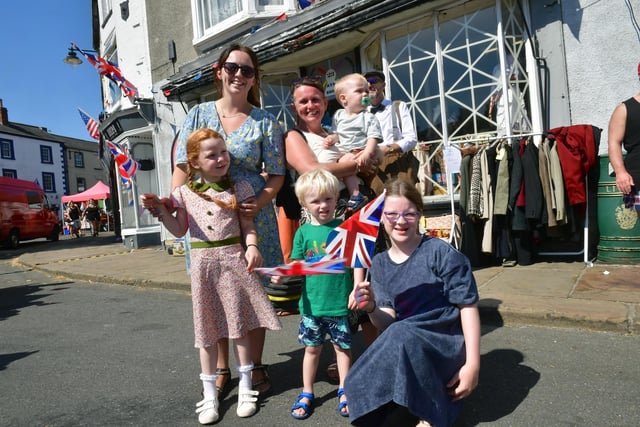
126,165
355,238
91,124
110,71
325,265
305,3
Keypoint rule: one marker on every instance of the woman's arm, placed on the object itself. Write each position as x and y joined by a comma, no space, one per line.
179,176
466,380
250,207
301,158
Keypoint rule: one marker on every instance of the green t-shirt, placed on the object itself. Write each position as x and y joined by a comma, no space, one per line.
323,294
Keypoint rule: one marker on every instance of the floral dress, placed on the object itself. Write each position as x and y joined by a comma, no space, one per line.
228,301
255,147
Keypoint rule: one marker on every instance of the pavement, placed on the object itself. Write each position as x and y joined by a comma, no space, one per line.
551,292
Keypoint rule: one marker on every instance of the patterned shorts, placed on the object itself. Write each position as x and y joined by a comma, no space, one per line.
632,201
312,331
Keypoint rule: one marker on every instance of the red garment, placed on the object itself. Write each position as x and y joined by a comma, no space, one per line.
578,153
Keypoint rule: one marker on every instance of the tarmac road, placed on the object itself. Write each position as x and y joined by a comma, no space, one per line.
73,353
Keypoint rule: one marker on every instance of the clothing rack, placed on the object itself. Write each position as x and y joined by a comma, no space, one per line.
453,238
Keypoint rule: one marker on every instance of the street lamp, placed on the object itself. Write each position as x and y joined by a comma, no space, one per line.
72,56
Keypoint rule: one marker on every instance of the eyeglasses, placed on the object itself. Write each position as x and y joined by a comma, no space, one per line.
408,216
374,80
232,68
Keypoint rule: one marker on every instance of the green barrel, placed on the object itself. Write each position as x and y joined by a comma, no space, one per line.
619,227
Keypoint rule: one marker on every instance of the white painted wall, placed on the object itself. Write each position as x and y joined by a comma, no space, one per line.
602,55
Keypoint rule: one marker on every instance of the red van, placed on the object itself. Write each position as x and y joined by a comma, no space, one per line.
25,213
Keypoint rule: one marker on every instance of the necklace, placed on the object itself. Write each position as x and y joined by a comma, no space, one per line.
225,116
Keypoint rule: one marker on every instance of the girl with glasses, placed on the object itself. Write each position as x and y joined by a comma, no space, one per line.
254,141
422,296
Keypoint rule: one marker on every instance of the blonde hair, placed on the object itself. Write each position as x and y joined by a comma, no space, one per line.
343,83
319,180
194,141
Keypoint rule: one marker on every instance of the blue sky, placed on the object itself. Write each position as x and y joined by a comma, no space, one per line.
36,86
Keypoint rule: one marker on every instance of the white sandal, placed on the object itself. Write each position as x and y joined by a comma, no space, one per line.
247,405
207,410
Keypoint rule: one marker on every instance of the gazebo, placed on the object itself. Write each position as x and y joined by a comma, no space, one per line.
99,191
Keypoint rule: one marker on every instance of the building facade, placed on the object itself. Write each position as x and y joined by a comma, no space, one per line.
445,58
59,164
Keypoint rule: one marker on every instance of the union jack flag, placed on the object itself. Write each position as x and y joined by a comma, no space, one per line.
324,265
355,239
110,71
91,124
126,165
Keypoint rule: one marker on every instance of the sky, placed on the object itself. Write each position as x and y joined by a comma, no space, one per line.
36,86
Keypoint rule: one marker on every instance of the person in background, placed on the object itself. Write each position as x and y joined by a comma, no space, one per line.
72,216
624,131
398,135
229,300
324,303
92,215
423,297
254,140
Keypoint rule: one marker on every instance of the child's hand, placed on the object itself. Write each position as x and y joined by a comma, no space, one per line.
276,280
329,141
351,302
363,297
463,383
253,257
150,201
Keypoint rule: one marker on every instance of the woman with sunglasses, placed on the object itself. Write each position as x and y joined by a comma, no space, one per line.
422,296
254,140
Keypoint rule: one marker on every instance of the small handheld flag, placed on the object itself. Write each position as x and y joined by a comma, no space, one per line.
355,239
331,265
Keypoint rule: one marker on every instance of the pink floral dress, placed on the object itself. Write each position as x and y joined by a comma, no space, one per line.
228,302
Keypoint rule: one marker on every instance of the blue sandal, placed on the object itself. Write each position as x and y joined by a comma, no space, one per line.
342,405
308,408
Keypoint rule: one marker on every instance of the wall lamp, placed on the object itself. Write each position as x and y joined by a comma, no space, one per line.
72,57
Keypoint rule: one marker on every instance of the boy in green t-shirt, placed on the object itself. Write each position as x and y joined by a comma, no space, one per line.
325,297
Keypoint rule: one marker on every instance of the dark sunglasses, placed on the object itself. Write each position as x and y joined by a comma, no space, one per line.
374,80
232,68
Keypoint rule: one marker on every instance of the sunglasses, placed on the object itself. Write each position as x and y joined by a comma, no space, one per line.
232,68
374,80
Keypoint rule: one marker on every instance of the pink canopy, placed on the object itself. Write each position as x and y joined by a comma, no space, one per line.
97,192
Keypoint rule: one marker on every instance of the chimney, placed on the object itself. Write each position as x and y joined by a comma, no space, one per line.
4,115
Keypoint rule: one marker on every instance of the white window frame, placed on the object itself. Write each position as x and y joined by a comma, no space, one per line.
46,154
249,9
431,64
78,159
